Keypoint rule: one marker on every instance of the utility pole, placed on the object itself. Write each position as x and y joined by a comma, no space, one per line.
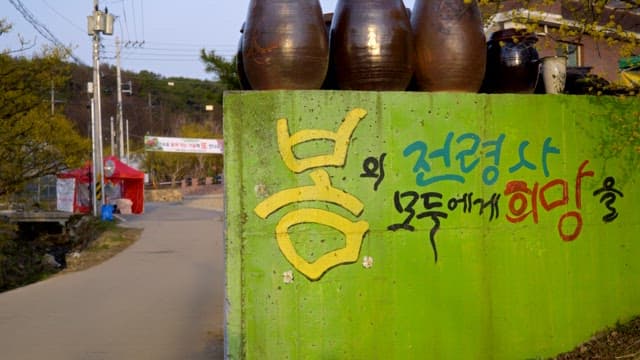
127,141
112,137
119,112
94,152
99,22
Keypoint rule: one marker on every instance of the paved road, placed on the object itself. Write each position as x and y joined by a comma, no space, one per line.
162,298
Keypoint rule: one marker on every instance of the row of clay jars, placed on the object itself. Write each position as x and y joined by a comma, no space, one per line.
373,45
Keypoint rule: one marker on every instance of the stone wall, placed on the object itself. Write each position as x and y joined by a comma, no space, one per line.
163,195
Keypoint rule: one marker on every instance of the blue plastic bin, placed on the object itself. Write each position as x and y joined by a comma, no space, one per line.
107,213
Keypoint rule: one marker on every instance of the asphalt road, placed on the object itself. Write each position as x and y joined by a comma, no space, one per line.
162,298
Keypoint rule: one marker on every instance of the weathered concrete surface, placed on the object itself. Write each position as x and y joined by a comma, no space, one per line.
347,236
162,298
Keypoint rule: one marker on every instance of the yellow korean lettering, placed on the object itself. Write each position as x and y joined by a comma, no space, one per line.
341,139
322,190
353,232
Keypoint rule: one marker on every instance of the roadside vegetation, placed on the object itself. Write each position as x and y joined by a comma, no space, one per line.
34,253
110,242
44,112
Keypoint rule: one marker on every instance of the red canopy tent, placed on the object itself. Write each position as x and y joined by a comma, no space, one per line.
76,194
127,182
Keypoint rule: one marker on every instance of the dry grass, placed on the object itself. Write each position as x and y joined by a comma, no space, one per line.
620,342
109,244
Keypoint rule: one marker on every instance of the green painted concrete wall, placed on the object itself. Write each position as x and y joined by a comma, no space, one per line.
444,226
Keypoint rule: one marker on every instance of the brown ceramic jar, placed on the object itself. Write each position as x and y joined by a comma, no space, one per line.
512,62
244,82
285,45
371,45
450,45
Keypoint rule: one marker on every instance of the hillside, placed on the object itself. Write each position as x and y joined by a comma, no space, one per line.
153,104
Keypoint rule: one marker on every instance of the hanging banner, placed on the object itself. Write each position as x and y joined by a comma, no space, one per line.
183,145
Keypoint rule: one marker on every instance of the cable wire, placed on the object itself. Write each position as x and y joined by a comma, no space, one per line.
41,29
135,26
142,17
63,17
126,24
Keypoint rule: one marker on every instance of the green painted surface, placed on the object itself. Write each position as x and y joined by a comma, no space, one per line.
500,288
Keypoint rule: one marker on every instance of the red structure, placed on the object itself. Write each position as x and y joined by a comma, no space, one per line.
124,183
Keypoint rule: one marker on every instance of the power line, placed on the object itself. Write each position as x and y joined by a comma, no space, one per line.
181,44
142,17
126,24
162,56
135,26
63,17
170,50
156,48
170,56
41,29
159,59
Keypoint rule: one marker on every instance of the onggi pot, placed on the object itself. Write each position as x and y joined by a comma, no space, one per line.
513,63
371,45
244,82
554,73
285,45
450,45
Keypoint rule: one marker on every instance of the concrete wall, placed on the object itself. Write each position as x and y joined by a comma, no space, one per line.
364,225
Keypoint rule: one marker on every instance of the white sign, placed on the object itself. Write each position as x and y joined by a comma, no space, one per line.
65,193
185,145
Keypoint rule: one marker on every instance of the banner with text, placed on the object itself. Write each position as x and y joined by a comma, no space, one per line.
183,145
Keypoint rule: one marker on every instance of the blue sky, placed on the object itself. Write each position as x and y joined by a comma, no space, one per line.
173,31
